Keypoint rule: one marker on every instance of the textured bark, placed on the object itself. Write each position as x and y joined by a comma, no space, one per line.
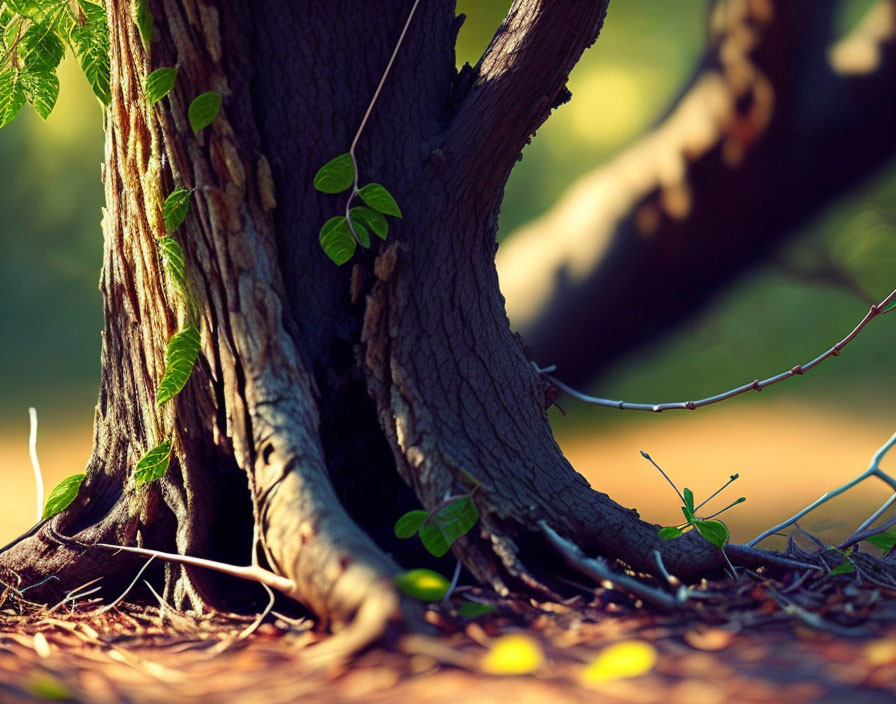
776,122
316,382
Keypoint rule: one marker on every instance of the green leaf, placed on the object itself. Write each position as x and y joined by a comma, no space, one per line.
422,584
448,524
153,464
159,83
62,495
844,568
91,44
885,541
176,207
688,515
337,240
689,500
378,198
669,532
408,525
183,349
42,89
12,96
336,176
40,49
371,219
203,110
715,532
473,609
361,233
889,307
144,21
173,256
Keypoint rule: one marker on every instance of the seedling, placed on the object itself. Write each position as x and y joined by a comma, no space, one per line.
712,530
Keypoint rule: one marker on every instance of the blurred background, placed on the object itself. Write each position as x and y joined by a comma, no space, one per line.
789,444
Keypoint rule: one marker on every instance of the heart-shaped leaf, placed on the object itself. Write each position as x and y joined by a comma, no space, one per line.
378,198
337,175
408,525
203,110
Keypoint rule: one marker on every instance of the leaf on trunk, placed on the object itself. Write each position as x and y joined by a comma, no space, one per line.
473,609
885,541
378,198
669,532
176,208
183,349
42,89
153,464
159,83
62,495
12,96
144,21
844,568
371,219
448,524
408,525
337,175
203,110
175,265
91,43
422,584
715,532
337,241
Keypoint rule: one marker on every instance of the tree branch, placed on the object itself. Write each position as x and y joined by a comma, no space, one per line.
517,82
774,124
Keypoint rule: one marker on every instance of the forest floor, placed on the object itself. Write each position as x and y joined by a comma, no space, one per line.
761,640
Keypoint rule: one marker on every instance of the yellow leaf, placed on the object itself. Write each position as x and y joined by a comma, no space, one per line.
629,658
513,655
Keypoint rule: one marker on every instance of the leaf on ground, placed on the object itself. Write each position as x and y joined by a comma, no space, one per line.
473,609
514,654
845,567
422,584
62,495
153,464
885,541
183,349
628,658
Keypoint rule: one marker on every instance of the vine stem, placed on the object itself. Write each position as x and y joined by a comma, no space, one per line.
376,95
873,470
32,451
885,306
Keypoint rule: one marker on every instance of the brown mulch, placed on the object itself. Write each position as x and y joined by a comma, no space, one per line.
761,640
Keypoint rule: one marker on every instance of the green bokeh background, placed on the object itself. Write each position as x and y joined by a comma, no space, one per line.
50,243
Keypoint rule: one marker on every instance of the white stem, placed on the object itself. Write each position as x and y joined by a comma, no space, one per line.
38,477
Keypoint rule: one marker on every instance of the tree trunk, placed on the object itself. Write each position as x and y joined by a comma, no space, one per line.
316,382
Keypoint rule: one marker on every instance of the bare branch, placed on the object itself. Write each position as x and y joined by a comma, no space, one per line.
757,385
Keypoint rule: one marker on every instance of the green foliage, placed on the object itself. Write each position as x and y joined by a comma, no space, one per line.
175,265
370,219
62,495
159,83
144,21
439,529
422,584
176,208
183,349
845,567
153,464
408,525
336,176
885,541
203,110
714,532
378,198
336,240
669,532
33,35
472,609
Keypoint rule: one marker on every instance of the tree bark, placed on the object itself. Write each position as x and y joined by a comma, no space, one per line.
315,382
777,121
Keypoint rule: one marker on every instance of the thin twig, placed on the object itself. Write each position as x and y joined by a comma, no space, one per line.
873,470
32,450
253,574
671,483
600,571
126,591
453,585
716,493
756,385
249,630
859,537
